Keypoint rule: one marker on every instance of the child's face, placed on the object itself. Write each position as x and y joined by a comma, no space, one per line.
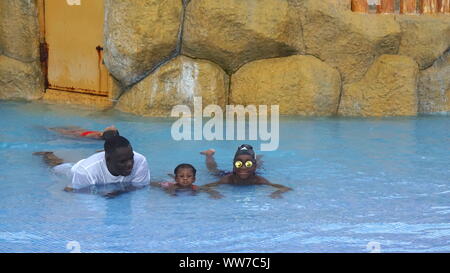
185,177
244,171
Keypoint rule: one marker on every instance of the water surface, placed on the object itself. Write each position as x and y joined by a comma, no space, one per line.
355,181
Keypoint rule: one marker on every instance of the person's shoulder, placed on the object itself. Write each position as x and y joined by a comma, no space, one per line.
91,161
228,178
139,156
261,180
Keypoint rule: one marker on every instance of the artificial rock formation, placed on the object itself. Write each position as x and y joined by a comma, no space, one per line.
139,35
347,40
234,32
387,89
20,80
176,83
434,86
19,30
300,85
20,74
424,38
342,4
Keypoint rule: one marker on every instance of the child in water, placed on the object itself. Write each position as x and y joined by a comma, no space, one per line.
184,180
244,171
52,160
79,132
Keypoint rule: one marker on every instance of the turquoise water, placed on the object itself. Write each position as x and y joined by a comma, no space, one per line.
356,181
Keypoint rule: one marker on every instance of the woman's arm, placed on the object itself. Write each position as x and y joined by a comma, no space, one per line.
281,188
223,180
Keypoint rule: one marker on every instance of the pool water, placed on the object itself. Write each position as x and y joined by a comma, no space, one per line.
357,183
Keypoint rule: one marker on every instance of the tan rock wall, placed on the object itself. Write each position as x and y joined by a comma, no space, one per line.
434,86
175,83
387,89
234,32
19,30
142,38
424,38
20,73
347,40
300,85
139,35
19,80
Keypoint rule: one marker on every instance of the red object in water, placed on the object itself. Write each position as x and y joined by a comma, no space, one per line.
88,133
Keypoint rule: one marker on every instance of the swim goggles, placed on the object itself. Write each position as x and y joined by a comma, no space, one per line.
239,164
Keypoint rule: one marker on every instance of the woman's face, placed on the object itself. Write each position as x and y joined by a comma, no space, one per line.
245,166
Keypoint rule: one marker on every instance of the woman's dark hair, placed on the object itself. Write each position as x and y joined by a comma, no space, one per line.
115,142
110,133
245,149
185,166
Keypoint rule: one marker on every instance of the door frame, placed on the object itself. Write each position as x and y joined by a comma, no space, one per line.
44,56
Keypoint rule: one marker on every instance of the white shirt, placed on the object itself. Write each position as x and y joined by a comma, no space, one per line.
93,171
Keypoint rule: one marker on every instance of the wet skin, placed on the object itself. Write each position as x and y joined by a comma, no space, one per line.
247,176
185,178
184,181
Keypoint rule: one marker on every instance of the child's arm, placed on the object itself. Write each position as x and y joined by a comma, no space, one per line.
281,188
223,180
171,190
212,193
212,184
155,184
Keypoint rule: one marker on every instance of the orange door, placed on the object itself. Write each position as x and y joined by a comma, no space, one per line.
74,35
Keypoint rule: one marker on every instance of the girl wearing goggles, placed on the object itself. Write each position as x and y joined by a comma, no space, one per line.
244,171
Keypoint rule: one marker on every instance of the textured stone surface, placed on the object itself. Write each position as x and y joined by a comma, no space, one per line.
174,83
300,85
20,80
19,30
434,86
346,40
234,32
343,4
424,38
387,89
139,35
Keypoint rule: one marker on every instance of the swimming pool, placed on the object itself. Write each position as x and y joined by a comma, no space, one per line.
356,182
